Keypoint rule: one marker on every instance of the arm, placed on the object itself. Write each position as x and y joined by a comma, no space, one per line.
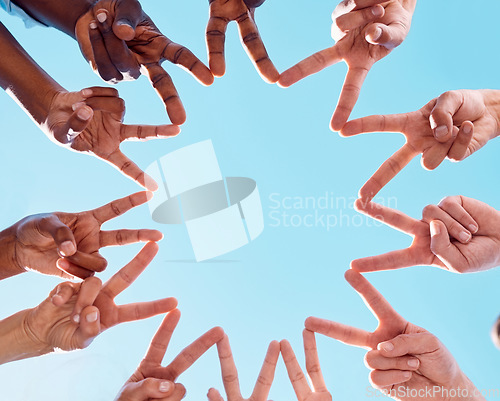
8,263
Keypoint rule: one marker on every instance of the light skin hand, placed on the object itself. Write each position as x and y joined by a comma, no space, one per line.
222,12
68,244
230,374
317,391
366,31
151,380
468,119
118,38
459,235
74,314
417,360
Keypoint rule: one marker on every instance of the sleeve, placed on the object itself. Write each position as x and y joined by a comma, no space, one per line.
17,11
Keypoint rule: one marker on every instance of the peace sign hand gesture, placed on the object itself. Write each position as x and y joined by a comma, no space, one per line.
230,374
460,235
222,12
401,356
360,43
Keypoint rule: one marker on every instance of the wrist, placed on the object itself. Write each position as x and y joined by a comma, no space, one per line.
491,99
467,390
10,264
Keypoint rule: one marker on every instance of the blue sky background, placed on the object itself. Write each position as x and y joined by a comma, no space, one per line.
281,139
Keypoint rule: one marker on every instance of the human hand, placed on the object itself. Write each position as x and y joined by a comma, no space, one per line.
318,392
118,38
74,314
467,118
230,374
221,13
153,381
366,31
460,235
68,244
90,121
402,357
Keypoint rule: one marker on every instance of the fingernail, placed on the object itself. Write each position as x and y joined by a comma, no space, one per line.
93,25
467,129
388,347
413,363
101,17
124,22
84,113
55,298
76,318
377,34
377,11
434,229
87,92
441,131
464,236
77,105
165,387
92,317
473,228
67,248
406,375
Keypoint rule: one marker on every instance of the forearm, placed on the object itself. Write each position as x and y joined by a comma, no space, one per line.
23,79
15,342
61,14
8,262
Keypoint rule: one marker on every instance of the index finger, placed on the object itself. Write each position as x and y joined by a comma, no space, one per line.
295,373
228,369
161,339
347,334
120,206
311,65
313,366
266,375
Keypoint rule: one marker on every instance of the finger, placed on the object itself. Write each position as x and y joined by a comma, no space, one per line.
214,395
373,299
189,355
73,271
79,120
178,394
147,389
63,293
105,67
216,38
60,233
441,117
346,334
89,326
98,91
110,104
409,344
359,4
228,369
434,156
391,217
453,205
355,77
297,377
93,262
378,123
389,36
165,88
144,132
359,18
385,378
387,261
118,51
89,290
131,170
376,361
161,339
266,375
125,237
387,171
458,150
453,226
256,50
129,273
145,310
128,13
182,56
447,253
311,65
313,366
120,206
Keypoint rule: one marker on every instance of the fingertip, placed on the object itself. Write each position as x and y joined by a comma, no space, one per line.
84,113
124,30
285,80
435,228
67,248
386,347
373,34
309,323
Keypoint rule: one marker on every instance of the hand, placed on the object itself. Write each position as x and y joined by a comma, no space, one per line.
402,356
91,121
74,314
117,38
454,125
366,31
319,392
221,13
460,235
67,244
153,381
230,374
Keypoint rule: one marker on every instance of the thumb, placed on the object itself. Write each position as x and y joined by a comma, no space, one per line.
409,344
128,13
60,232
389,36
146,389
66,132
441,118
